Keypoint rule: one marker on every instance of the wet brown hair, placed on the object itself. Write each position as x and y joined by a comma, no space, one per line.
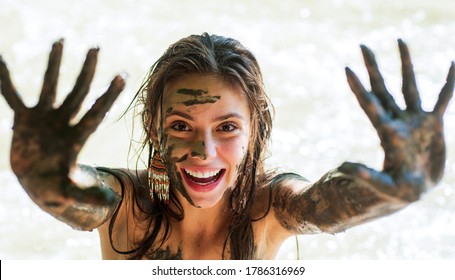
230,60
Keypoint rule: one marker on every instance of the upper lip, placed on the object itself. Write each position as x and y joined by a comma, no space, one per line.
202,172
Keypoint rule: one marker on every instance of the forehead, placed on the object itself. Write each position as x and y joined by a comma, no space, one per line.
196,92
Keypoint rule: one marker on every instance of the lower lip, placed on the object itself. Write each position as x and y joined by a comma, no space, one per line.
201,188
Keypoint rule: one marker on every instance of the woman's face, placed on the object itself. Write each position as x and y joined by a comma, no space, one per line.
205,137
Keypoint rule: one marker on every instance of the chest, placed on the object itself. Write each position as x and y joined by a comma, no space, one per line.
194,245
201,246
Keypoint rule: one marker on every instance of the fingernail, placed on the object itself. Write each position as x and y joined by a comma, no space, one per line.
58,43
95,49
124,75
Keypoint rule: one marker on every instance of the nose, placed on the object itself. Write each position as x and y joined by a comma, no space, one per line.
204,147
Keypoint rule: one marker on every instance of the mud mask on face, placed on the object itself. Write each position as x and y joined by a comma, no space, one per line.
170,149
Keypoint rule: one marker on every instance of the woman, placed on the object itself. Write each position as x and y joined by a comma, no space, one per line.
205,193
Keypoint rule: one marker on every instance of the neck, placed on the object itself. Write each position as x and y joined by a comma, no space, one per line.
203,231
208,222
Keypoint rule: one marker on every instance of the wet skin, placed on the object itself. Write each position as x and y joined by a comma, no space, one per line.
414,149
45,145
206,129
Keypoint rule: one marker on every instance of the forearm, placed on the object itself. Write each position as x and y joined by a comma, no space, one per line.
46,143
334,203
83,199
415,155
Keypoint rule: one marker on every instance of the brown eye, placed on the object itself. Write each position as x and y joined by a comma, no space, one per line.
227,127
180,126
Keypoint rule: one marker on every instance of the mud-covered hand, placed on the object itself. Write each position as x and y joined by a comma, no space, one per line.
45,145
412,139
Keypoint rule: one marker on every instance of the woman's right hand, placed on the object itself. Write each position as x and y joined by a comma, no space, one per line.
45,144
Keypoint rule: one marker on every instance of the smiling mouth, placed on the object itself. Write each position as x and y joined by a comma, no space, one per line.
204,178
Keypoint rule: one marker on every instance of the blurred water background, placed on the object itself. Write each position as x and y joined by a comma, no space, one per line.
303,47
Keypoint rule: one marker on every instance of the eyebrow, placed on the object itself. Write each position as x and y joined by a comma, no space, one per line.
228,116
180,114
219,118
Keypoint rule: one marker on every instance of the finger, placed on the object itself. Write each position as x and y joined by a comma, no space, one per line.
410,92
90,121
377,83
378,180
49,89
369,102
446,92
74,100
8,90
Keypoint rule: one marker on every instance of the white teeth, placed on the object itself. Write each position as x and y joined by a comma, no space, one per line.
205,174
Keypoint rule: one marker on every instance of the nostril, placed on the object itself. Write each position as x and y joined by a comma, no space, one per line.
204,149
199,155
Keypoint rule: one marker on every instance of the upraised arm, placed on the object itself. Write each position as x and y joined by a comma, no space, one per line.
414,147
45,146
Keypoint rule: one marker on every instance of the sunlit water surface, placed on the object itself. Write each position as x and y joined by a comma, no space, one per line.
303,47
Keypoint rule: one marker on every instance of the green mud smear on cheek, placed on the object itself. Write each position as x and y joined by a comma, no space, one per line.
174,175
183,158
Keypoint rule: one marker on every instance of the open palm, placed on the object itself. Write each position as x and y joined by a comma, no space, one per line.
412,139
45,145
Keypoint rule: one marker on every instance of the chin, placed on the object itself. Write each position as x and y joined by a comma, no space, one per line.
206,200
204,205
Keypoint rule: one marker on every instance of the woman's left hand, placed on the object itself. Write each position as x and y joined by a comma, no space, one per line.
412,139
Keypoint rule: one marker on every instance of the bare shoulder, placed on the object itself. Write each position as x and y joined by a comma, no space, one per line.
277,187
289,182
283,189
106,175
120,179
130,185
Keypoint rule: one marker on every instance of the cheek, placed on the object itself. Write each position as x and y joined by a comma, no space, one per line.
235,151
174,150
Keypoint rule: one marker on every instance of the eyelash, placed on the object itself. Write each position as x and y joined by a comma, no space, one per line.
177,126
232,125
